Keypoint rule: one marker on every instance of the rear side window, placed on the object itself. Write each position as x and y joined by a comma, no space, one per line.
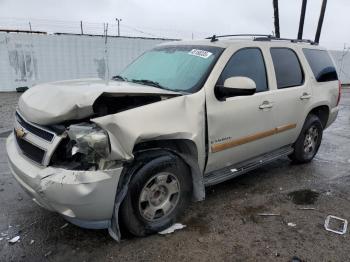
287,68
248,62
321,65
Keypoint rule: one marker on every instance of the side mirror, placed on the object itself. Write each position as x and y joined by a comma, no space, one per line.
235,86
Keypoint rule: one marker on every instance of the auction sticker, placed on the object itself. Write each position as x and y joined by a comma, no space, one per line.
200,53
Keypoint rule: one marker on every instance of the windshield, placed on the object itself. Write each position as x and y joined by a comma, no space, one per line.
177,68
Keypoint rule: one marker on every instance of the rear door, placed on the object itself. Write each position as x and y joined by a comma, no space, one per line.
292,93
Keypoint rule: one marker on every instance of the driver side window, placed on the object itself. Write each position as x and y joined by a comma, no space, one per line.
248,62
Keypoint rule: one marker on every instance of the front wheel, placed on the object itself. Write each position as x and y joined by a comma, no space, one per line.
309,140
158,194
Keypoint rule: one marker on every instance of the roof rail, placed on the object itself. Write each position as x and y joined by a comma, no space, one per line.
269,38
215,37
262,37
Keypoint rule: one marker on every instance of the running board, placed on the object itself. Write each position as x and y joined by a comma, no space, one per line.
221,175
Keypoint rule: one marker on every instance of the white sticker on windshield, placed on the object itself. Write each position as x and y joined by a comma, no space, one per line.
200,53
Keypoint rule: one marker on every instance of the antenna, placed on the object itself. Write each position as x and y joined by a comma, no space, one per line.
277,19
302,19
320,21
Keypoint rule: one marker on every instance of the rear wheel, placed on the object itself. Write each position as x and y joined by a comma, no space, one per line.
158,194
309,140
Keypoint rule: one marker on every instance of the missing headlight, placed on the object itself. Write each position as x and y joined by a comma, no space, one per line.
90,140
87,147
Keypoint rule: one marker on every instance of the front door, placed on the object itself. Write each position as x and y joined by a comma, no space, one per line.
240,127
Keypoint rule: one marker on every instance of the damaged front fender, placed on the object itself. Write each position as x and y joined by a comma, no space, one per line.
181,117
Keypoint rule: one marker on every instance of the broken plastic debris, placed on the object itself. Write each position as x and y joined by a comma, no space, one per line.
171,229
268,214
31,242
290,224
296,259
14,239
234,170
1,238
341,230
64,226
306,208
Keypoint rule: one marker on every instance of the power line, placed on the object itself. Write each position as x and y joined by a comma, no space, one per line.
141,31
61,26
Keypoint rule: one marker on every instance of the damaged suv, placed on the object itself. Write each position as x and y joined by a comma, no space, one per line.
184,115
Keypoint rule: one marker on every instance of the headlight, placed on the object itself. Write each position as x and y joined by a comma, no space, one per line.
89,140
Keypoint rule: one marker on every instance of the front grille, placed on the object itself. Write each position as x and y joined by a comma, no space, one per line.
31,151
35,130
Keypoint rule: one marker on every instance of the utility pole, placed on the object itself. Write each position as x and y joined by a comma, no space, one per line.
105,28
30,27
345,51
277,19
302,19
320,21
81,27
118,22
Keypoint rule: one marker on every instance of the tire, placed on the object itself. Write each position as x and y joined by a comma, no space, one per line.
309,140
158,194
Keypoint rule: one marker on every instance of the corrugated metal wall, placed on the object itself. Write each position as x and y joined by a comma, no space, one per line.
27,59
342,60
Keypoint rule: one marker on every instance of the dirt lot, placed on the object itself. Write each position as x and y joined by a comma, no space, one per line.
225,227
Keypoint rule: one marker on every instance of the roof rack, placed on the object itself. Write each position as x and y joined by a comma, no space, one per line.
215,37
269,38
262,37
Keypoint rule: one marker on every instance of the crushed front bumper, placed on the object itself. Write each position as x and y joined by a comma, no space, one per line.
85,198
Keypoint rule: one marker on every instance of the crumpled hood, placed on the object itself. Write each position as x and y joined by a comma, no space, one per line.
56,102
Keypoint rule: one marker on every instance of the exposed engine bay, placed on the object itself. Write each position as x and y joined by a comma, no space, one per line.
85,145
106,105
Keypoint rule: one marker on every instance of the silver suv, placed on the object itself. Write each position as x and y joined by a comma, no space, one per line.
183,116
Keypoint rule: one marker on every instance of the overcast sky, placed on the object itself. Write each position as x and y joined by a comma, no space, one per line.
181,18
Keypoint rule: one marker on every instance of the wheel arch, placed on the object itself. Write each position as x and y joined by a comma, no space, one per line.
322,112
185,149
183,146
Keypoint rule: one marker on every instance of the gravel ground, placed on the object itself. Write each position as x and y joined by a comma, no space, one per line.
225,227
8,104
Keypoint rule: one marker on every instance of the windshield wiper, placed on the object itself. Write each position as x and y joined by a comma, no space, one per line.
119,77
149,83
156,84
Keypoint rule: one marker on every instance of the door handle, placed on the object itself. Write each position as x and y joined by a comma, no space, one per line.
265,105
305,96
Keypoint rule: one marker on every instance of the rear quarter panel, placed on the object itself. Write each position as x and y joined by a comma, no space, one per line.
323,93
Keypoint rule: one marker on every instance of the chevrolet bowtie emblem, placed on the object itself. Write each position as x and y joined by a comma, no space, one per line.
20,133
